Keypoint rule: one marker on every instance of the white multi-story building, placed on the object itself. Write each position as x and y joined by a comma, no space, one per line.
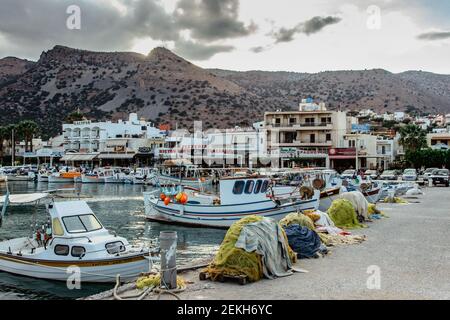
230,147
87,136
309,132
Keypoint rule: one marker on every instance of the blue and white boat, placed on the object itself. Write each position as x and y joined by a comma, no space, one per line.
238,197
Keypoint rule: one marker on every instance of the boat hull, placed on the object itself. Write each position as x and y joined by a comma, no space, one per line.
54,179
129,268
374,195
327,197
92,179
220,216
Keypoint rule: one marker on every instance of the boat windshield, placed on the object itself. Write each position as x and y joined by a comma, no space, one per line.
81,223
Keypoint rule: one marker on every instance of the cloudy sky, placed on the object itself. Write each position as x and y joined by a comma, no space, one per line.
291,35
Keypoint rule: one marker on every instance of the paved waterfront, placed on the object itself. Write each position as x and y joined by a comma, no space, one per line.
411,249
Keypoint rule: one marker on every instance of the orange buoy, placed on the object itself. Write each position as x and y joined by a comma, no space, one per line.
167,201
162,196
184,198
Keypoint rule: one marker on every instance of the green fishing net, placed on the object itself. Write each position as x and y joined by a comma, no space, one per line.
232,261
343,214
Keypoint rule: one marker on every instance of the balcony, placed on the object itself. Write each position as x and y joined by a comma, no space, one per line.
302,126
296,143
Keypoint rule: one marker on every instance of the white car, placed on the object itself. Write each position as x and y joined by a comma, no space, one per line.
409,175
348,174
388,175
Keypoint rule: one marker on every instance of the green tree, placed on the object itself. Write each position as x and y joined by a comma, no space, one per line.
412,138
5,136
26,130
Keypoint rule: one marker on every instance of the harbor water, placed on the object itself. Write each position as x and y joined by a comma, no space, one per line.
120,208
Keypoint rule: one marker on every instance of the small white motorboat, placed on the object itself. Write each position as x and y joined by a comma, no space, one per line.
73,243
239,197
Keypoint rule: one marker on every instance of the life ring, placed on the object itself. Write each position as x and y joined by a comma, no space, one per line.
318,184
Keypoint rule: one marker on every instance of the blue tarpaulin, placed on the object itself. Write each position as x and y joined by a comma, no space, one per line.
305,242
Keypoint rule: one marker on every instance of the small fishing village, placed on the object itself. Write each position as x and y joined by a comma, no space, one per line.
69,208
221,158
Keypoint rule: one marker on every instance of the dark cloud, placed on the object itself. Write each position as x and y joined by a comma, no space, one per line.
199,51
308,27
434,36
212,19
258,49
318,23
29,27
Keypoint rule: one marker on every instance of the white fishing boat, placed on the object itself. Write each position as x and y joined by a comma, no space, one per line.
65,175
143,176
371,190
94,176
43,175
113,176
72,243
237,198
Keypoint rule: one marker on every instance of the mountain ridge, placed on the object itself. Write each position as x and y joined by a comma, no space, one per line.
167,88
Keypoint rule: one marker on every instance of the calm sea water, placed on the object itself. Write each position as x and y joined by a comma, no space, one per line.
119,208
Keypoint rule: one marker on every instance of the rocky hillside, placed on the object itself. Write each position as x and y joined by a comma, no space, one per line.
412,91
11,68
165,88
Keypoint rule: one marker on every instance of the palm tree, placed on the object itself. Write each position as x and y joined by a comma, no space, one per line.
27,129
4,137
412,137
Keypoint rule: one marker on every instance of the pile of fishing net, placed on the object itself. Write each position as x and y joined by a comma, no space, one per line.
297,218
343,214
154,280
301,234
395,200
233,261
374,212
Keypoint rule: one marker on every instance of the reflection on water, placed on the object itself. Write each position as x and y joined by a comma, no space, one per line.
120,208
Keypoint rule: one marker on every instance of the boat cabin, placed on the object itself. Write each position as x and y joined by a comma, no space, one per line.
239,190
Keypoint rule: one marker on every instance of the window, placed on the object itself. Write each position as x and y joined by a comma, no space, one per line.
265,185
258,186
115,247
57,227
83,223
249,186
61,250
328,137
78,251
312,138
292,120
238,187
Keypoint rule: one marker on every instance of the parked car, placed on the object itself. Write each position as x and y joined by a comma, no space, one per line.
388,175
372,174
409,175
440,176
348,174
426,174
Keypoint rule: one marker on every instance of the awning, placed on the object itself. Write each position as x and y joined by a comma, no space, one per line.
342,157
78,157
116,156
24,198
